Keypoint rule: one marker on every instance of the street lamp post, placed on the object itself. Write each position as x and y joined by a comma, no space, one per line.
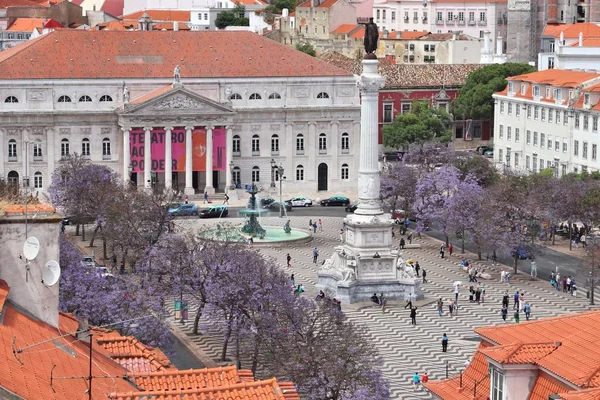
129,172
279,170
507,165
273,167
153,179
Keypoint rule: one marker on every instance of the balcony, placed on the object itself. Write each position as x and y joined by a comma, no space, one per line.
415,20
38,158
482,22
299,152
236,153
439,22
405,19
461,22
274,152
255,153
12,158
106,157
322,151
472,22
451,22
345,151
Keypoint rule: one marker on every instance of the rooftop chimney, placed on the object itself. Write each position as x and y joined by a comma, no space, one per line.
175,26
580,39
285,12
499,45
561,39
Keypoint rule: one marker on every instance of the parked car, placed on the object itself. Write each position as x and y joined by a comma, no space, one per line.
351,207
336,201
217,211
184,209
274,206
170,206
88,261
265,202
523,252
481,150
300,202
488,153
104,272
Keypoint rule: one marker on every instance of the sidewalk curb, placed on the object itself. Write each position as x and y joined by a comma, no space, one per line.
195,350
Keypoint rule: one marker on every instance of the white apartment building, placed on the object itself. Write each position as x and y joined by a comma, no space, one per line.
472,18
548,119
570,46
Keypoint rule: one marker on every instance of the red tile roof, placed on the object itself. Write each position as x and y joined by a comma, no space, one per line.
160,15
169,26
131,353
152,94
471,1
115,26
571,31
250,2
406,35
191,379
27,374
545,385
556,77
264,390
324,4
359,34
520,353
588,394
113,7
26,24
20,3
587,42
142,54
345,28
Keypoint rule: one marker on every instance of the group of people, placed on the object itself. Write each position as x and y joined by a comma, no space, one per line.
567,284
322,297
452,307
379,300
477,294
519,306
315,224
505,277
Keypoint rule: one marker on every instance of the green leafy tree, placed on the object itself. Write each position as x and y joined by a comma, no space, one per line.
234,17
277,5
306,48
422,124
475,98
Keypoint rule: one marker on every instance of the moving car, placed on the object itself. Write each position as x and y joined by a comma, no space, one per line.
351,207
184,209
336,201
523,252
266,202
274,206
300,202
214,211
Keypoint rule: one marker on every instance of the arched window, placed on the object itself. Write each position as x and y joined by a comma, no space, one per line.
322,142
255,145
345,142
275,144
237,145
235,96
13,178
85,99
255,174
236,176
300,144
322,95
274,96
345,171
85,148
106,149
37,150
37,180
11,99
299,173
255,96
64,99
12,150
106,98
64,148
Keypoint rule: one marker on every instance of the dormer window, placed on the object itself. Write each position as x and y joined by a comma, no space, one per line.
536,91
570,94
510,87
557,94
523,88
548,92
586,99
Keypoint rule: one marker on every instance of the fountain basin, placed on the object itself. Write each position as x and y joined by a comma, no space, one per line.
274,236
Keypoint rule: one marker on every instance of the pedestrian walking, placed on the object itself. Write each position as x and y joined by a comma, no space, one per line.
558,281
424,378
503,276
417,268
505,299
424,275
315,255
440,307
226,201
205,197
516,316
416,381
382,302
186,200
409,301
342,235
310,224
314,227
483,294
504,313
450,307
567,284
289,260
444,343
413,315
450,249
456,290
507,278
293,280
442,250
552,279
533,270
583,240
516,300
320,225
409,237
402,243
527,310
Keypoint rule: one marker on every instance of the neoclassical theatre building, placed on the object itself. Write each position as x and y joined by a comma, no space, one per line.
193,111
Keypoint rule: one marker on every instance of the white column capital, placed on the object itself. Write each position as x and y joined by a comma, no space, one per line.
148,128
335,123
168,128
189,128
126,129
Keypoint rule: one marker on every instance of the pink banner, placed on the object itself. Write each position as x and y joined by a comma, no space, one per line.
157,144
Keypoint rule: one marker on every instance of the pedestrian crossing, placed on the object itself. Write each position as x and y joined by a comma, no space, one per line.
406,349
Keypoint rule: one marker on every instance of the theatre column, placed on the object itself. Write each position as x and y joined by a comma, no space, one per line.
168,158
209,160
126,155
147,158
229,158
189,189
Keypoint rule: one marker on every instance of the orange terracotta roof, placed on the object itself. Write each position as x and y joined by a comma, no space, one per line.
471,1
556,77
571,31
345,28
587,42
143,54
406,35
20,3
588,394
152,94
546,385
324,4
476,372
518,353
3,293
131,353
576,360
191,379
263,390
53,24
169,26
359,34
29,378
250,2
113,7
26,24
115,26
160,15
19,209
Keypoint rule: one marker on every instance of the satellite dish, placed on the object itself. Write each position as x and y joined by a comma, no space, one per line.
51,273
31,248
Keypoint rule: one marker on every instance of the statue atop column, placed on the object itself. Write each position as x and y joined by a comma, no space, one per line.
371,38
125,94
177,74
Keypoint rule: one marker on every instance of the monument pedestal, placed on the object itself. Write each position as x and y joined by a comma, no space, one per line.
366,263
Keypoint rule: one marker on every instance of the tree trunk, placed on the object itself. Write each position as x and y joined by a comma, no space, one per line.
94,235
255,355
197,318
479,253
226,343
463,242
570,239
447,241
82,232
77,230
105,253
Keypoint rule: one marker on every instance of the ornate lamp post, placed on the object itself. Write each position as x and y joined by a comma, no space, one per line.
279,170
273,167
153,179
